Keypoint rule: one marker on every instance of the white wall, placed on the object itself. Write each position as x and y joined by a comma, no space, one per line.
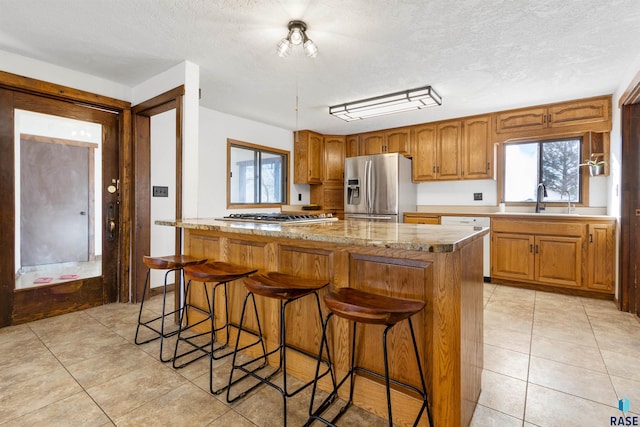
163,173
35,69
215,128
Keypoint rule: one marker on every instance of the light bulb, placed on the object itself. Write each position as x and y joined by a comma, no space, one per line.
310,48
296,36
284,48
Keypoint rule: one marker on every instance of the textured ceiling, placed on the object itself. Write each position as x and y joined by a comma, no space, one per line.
479,55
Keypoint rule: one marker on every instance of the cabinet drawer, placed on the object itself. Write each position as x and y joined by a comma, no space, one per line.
537,227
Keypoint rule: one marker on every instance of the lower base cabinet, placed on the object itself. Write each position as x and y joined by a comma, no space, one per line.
568,254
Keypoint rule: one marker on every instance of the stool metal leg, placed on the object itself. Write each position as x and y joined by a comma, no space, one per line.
160,334
350,375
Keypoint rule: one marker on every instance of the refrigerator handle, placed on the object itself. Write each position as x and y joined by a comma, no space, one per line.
370,192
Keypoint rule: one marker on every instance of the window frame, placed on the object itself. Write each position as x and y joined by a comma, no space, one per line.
584,172
262,149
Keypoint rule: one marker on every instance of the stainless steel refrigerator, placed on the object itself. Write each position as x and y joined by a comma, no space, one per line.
378,188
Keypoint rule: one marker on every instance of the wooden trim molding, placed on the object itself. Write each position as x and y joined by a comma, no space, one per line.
632,94
52,90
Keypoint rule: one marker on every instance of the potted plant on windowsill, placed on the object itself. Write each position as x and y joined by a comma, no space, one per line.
596,166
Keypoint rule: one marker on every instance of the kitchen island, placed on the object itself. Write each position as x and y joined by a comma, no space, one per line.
441,265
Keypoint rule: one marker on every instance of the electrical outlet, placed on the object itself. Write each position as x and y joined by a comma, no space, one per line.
160,191
299,197
477,196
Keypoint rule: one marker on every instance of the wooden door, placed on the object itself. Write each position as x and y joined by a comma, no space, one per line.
352,146
423,166
334,148
477,148
67,292
580,112
600,256
521,120
512,256
397,141
372,143
448,150
558,260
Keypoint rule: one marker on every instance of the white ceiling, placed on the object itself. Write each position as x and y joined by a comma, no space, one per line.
479,55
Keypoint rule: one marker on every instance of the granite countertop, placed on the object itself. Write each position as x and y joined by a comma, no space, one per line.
413,237
549,215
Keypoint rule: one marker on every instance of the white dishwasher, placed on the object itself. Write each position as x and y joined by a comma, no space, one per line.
476,221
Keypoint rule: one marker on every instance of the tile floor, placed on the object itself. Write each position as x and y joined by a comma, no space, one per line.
550,360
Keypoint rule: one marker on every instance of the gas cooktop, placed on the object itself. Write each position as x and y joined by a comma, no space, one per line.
279,218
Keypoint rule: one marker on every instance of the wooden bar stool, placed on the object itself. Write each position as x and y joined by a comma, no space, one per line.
220,274
171,263
287,289
365,307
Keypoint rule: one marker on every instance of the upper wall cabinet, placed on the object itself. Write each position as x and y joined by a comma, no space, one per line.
352,148
593,114
390,141
308,158
436,151
334,149
477,148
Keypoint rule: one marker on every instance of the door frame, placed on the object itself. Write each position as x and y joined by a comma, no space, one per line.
141,197
10,84
629,245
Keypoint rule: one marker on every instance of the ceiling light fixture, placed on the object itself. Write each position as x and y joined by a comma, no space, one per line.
413,99
297,35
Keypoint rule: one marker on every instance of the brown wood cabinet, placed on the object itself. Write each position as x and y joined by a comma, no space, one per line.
390,141
372,143
576,254
592,114
437,151
601,253
554,260
477,148
417,218
308,157
352,145
334,150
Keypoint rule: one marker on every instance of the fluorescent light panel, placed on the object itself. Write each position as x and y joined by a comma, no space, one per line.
407,100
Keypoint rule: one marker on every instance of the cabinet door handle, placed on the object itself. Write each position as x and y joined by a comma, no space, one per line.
544,119
438,169
434,169
488,166
590,238
530,248
550,117
537,249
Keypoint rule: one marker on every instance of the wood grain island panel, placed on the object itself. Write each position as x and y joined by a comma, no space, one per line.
439,264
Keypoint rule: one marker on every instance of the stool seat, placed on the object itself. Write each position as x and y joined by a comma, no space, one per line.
365,307
282,286
171,261
217,271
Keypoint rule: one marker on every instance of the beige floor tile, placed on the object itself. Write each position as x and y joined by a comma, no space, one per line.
551,408
35,393
505,338
75,410
617,341
573,380
621,365
231,418
124,393
16,370
629,389
582,335
512,321
502,393
506,362
567,352
186,405
17,342
487,417
113,362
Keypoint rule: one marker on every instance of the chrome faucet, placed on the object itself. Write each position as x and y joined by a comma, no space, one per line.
568,200
540,196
